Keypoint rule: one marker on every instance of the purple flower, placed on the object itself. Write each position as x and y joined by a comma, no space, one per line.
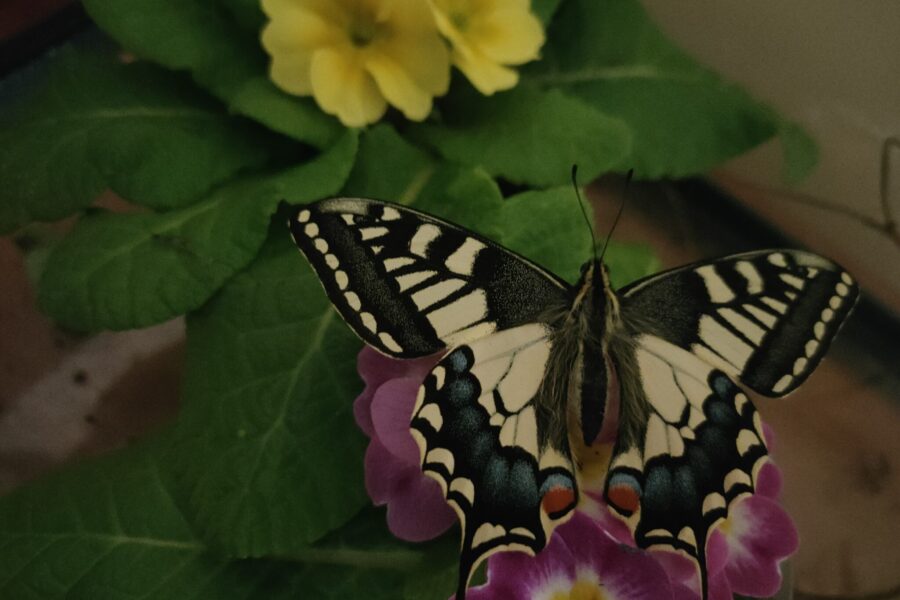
416,508
580,561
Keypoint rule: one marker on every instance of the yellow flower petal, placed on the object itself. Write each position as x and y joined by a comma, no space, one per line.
511,37
343,88
290,72
298,28
486,75
410,71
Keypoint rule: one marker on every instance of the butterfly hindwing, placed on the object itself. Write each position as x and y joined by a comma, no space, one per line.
690,445
483,438
766,318
410,284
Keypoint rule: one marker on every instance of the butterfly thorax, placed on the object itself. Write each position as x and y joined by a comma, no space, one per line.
579,372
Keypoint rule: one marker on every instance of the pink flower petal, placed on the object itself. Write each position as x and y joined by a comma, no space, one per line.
377,369
418,510
762,534
392,409
768,482
384,473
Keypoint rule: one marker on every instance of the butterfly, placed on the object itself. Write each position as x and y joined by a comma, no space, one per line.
528,363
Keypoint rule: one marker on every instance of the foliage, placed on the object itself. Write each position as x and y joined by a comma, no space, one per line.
257,489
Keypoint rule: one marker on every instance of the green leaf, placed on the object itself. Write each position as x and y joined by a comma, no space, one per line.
547,227
109,529
545,9
684,119
527,135
388,167
118,271
223,56
801,153
465,196
272,458
147,134
629,262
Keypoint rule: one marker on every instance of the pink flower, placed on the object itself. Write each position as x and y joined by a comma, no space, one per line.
416,509
594,549
580,561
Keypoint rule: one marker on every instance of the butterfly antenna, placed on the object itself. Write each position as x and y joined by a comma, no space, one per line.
618,214
583,211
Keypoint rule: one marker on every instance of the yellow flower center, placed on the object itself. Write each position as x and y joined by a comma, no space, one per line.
362,32
582,590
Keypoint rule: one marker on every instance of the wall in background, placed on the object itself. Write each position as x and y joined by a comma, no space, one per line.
834,67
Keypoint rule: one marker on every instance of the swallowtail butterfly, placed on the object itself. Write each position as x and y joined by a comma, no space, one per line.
528,362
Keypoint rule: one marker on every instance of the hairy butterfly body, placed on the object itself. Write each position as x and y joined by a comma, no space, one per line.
529,362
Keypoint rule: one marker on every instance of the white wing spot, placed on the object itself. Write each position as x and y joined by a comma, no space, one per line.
368,319
321,245
842,289
827,314
486,533
774,304
800,365
424,235
341,279
368,233
439,373
749,272
311,230
435,293
819,330
304,215
792,280
390,214
747,327
718,290
778,259
459,314
764,317
835,302
722,341
389,342
465,487
463,260
348,219
845,277
713,501
410,279
441,456
352,300
811,347
392,264
332,261
782,384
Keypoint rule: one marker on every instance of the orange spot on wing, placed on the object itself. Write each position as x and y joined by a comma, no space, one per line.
624,497
557,499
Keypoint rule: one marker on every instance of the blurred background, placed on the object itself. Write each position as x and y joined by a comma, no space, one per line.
831,66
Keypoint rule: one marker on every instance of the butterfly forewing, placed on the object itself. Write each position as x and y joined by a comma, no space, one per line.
764,317
410,284
690,445
480,436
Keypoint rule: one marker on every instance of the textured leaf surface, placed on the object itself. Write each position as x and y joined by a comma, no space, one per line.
271,377
110,530
224,56
275,456
684,119
147,134
118,271
528,136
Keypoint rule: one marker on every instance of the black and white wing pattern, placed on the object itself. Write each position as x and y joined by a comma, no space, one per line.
690,444
410,284
483,437
766,318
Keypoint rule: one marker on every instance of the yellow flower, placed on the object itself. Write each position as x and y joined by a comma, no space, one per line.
487,35
355,56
